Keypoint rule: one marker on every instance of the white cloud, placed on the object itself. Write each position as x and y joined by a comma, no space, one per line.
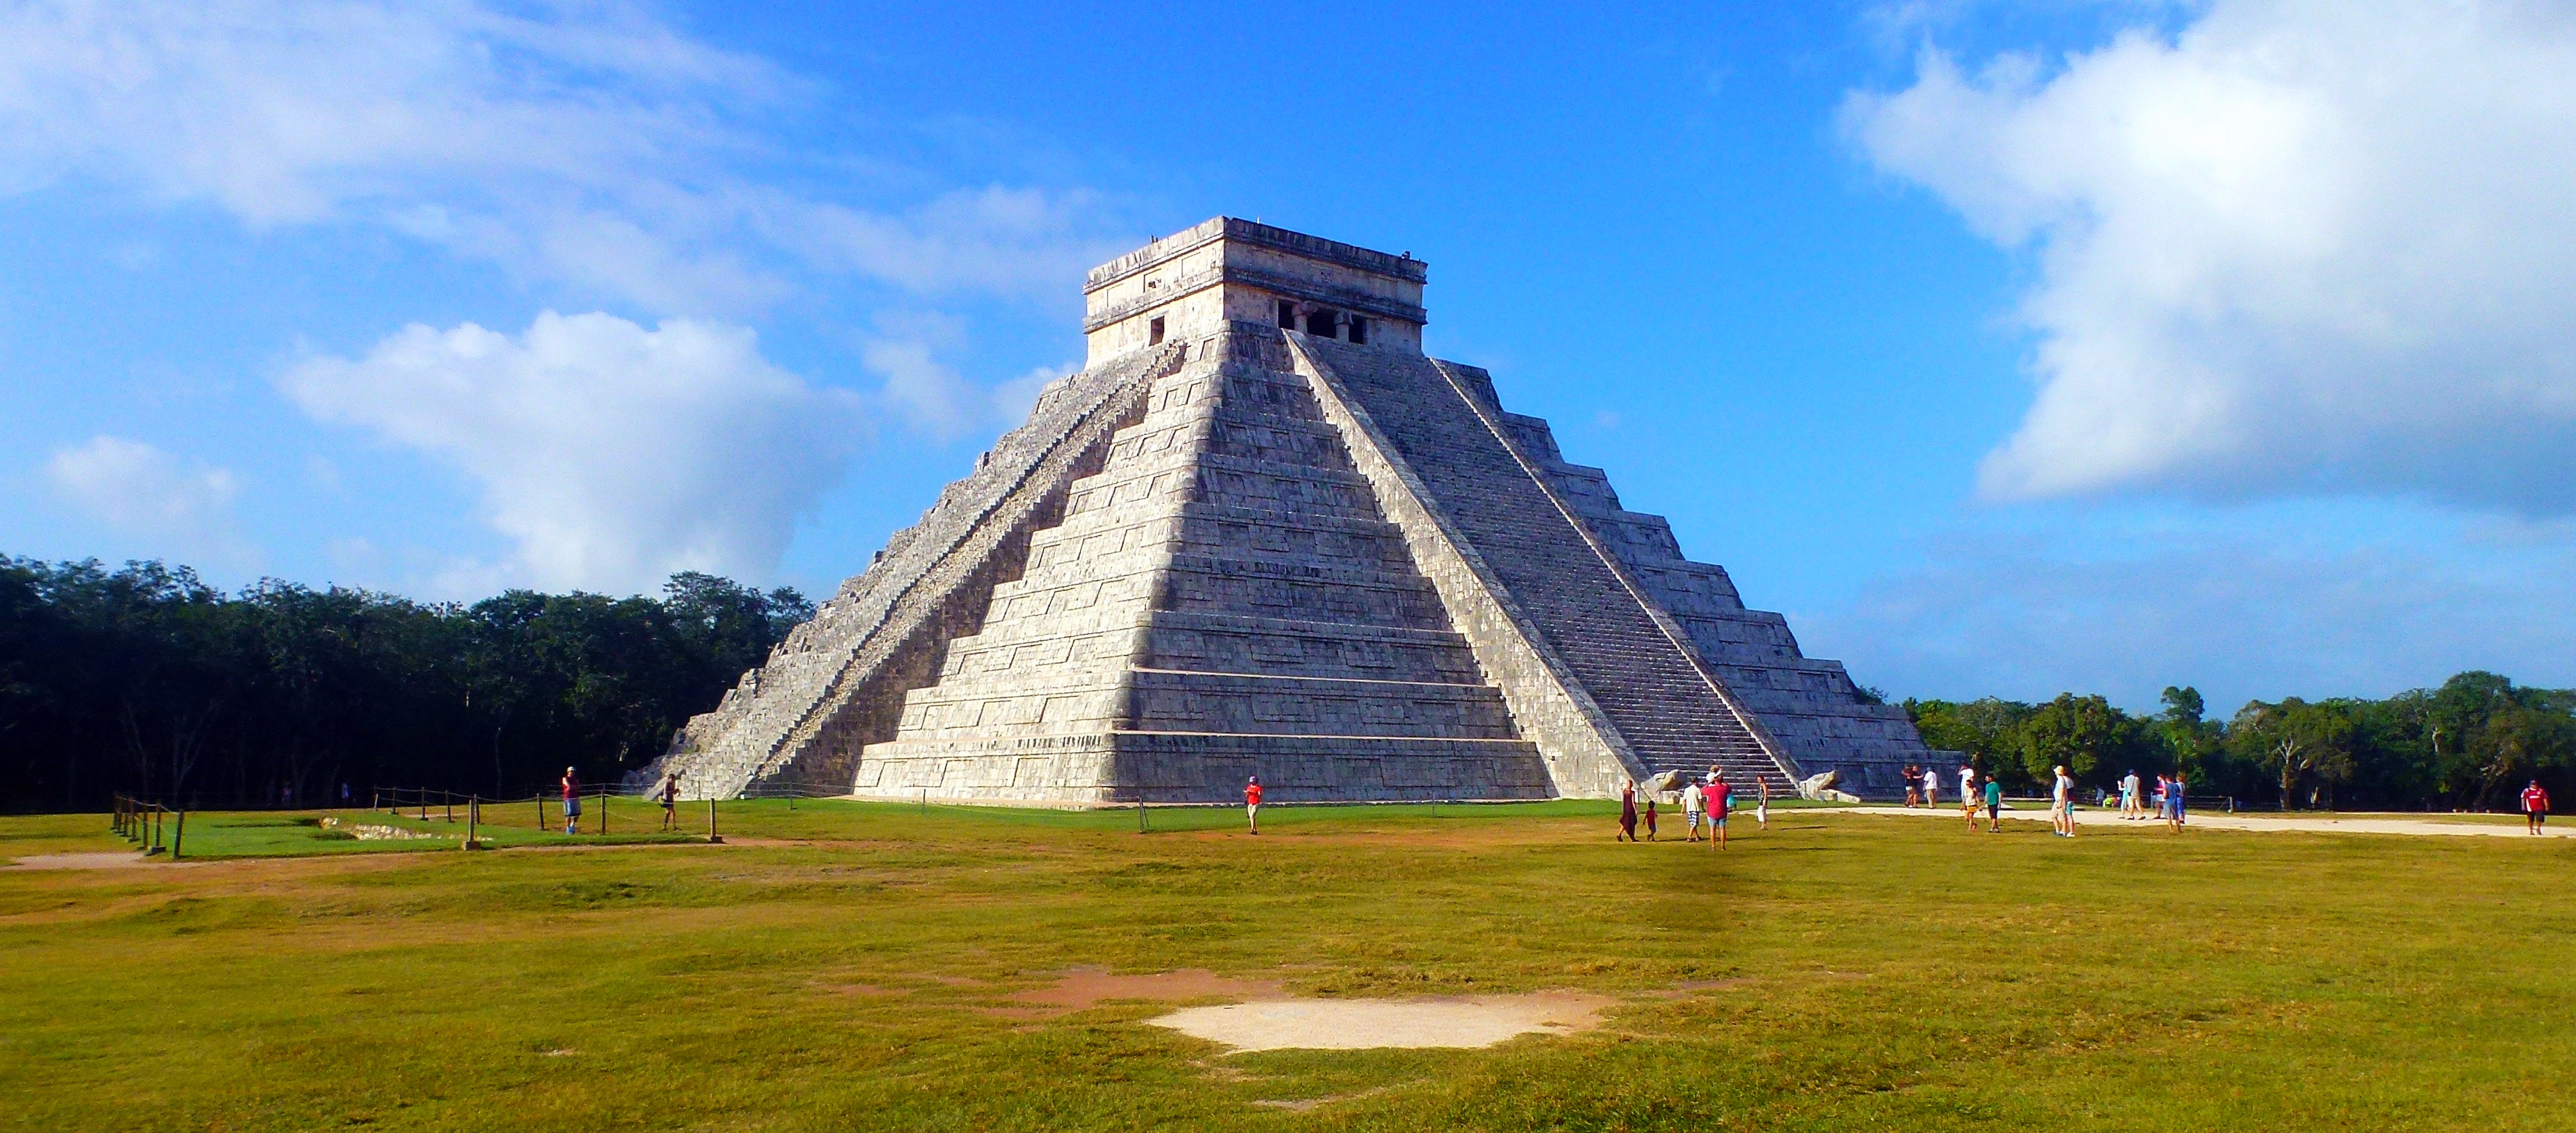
141,491
2299,246
584,143
611,454
1012,400
925,392
929,395
1019,241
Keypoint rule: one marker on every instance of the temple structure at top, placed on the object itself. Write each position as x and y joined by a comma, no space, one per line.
1262,533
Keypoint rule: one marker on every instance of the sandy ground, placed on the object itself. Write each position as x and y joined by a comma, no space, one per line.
1361,1024
2221,820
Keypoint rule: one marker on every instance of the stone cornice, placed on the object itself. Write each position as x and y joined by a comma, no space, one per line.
1338,297
1259,235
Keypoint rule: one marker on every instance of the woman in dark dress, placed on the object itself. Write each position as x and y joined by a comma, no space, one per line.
1627,813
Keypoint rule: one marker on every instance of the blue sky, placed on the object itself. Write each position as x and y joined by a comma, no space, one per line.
2007,349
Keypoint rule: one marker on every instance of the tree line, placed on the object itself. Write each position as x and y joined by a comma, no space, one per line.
146,680
2470,744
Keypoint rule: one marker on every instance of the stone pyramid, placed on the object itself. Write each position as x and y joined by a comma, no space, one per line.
1262,533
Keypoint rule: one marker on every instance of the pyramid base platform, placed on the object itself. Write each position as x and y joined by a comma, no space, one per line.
1124,768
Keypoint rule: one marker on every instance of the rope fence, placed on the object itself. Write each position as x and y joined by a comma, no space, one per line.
145,823
431,805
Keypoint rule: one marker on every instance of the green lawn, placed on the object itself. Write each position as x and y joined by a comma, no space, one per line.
846,965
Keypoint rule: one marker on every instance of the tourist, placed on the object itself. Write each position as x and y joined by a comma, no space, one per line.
1650,814
1693,801
2061,798
572,803
1627,813
1931,786
2178,795
1762,808
670,796
2129,805
1913,784
1968,794
2535,807
1994,806
1721,799
1251,803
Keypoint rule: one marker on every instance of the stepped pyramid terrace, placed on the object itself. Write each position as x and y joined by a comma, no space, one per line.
1263,533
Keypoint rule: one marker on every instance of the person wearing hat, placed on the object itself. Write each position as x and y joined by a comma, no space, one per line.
572,802
1252,802
1721,801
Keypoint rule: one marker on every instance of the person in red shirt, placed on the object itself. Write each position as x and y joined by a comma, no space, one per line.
1252,802
572,803
1721,798
2535,806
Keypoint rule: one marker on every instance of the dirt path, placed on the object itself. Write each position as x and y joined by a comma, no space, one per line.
2220,820
113,859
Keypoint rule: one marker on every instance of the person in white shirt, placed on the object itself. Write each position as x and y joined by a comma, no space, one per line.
1693,801
2130,806
2062,799
1968,794
1931,787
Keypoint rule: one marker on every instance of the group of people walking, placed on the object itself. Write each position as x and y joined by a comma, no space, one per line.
1706,805
1922,787
2168,800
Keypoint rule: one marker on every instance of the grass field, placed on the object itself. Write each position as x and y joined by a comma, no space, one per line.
846,965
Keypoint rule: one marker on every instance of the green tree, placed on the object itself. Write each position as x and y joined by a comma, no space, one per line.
2083,734
2516,741
2188,740
2301,744
1986,730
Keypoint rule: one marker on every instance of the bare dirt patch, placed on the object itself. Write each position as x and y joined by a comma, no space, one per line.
1089,987
1364,1024
1081,989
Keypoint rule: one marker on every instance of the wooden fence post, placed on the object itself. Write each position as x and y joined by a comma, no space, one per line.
178,834
603,808
712,838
